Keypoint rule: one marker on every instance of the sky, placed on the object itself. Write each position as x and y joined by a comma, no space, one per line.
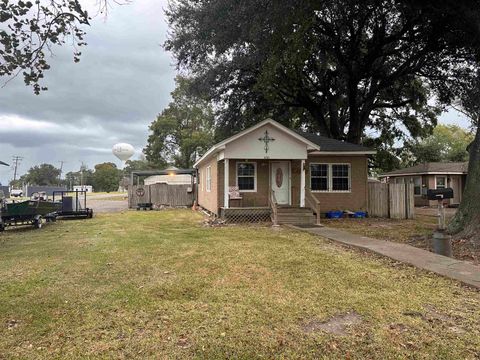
122,82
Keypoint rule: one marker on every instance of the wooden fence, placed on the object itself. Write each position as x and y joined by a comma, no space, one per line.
161,194
395,201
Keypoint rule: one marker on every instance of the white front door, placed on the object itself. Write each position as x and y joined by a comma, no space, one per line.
280,180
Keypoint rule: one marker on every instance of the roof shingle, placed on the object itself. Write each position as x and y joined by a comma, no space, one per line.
328,144
431,168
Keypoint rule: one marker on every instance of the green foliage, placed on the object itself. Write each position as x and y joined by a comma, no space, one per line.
447,143
83,176
29,31
106,177
131,165
183,131
337,67
42,175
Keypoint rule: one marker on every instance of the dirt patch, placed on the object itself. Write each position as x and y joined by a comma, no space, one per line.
433,315
337,325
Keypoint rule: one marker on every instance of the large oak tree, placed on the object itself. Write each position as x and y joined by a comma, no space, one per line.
338,67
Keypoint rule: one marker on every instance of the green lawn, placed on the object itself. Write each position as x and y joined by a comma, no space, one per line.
160,285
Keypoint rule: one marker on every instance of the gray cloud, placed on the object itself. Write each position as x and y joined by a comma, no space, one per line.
122,82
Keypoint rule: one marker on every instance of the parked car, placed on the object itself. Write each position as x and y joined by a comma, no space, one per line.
40,195
16,193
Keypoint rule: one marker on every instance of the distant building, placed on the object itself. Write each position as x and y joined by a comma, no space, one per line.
433,175
170,179
87,188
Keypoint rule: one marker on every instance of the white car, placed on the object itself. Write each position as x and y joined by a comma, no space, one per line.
16,193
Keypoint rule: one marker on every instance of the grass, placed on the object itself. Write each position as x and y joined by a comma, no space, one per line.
414,232
161,285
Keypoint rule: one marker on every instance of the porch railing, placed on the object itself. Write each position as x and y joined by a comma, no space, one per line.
274,207
313,204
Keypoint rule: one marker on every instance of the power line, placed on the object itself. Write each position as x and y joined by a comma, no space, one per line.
16,162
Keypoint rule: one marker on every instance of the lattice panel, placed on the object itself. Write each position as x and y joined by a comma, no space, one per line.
246,215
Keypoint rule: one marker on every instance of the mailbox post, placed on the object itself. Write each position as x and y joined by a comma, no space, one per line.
441,241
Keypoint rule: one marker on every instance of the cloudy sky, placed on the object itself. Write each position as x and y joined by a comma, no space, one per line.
122,82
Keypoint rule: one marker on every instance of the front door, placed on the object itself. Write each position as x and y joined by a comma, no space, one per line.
280,180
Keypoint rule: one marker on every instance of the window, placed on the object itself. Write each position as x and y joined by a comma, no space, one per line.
246,176
440,182
209,179
319,177
330,177
340,177
417,185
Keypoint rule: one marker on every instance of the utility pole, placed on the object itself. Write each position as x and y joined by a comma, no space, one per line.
16,162
61,168
81,173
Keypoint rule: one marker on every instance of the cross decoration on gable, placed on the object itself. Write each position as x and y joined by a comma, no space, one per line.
266,139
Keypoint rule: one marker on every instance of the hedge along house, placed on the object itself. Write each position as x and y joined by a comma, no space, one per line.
271,170
432,175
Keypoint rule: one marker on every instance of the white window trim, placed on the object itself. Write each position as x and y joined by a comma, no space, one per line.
208,179
445,183
330,178
254,175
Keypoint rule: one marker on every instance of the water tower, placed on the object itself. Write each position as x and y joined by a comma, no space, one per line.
123,151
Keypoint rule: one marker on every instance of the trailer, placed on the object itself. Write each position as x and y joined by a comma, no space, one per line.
73,204
29,212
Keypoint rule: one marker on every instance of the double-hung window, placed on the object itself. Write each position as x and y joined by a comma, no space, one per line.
417,185
319,177
340,177
209,179
330,177
247,176
440,182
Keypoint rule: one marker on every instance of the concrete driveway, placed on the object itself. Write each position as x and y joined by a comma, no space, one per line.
107,203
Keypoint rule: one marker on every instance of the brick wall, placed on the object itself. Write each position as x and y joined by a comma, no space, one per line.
354,200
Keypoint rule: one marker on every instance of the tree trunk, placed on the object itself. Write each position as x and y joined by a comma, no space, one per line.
466,223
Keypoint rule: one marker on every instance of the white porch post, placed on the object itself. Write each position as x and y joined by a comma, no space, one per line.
225,184
302,183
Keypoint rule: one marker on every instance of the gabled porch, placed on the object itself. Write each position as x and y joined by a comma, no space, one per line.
266,190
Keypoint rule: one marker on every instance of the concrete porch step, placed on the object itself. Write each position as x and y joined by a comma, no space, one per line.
295,215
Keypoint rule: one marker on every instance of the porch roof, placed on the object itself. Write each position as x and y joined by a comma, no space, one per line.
221,145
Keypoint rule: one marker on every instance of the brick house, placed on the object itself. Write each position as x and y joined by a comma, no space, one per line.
432,175
271,169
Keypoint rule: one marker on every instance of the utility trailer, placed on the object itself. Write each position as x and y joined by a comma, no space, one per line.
73,204
29,212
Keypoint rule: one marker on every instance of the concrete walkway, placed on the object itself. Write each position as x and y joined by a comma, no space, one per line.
462,271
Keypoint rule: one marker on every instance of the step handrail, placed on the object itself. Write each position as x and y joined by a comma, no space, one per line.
313,203
274,206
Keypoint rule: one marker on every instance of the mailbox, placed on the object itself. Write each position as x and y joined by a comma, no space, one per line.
440,194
